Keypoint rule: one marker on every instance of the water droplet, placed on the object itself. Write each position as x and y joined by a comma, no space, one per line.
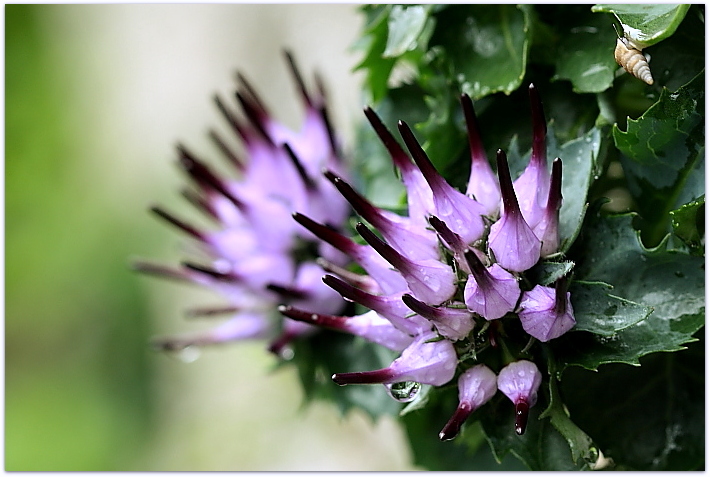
610,311
286,353
405,391
188,354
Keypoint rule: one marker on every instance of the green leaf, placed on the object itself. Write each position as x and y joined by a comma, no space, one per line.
670,282
586,54
541,447
580,444
544,272
488,45
373,43
645,418
602,313
663,155
646,24
405,25
689,225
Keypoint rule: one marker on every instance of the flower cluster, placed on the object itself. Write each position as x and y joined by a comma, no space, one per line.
258,257
451,270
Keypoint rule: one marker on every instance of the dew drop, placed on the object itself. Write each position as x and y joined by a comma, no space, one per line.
405,391
188,354
610,311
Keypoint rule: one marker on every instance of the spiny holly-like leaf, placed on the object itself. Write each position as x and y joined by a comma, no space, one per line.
689,225
646,24
598,311
663,155
586,53
670,282
487,44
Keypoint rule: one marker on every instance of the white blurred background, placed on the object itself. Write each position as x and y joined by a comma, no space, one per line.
130,81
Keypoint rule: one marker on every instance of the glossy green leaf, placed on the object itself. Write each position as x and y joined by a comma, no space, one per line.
663,155
670,282
689,225
580,444
405,26
546,272
646,24
488,46
586,54
598,311
649,417
377,67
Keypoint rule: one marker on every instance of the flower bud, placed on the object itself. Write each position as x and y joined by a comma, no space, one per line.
491,292
476,387
519,381
546,313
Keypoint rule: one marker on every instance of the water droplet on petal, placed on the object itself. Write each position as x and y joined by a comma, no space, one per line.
405,391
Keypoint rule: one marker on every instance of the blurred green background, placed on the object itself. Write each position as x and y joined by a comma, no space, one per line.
96,98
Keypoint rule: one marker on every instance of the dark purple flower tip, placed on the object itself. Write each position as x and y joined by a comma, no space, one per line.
189,229
425,361
390,307
419,195
327,234
227,151
407,237
256,116
453,426
521,416
461,213
546,313
477,385
305,178
520,381
370,326
298,78
243,132
452,323
204,176
482,182
539,150
547,229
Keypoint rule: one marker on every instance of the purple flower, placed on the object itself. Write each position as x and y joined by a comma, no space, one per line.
419,195
461,213
390,307
477,385
427,360
370,326
482,182
513,242
547,229
519,381
431,281
406,236
388,280
533,184
546,313
491,292
255,258
452,323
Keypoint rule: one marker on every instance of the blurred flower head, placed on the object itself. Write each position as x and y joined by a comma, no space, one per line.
257,257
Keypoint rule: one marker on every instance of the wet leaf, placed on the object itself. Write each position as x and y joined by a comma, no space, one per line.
689,225
488,46
646,24
598,311
405,26
663,155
